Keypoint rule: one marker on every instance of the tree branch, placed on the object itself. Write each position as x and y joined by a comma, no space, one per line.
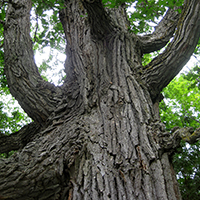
189,135
162,34
158,73
2,22
35,96
21,170
1,46
40,165
100,22
19,139
170,141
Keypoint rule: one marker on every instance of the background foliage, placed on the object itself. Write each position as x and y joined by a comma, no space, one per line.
181,106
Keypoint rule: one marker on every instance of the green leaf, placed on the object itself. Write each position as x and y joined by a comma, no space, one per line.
181,108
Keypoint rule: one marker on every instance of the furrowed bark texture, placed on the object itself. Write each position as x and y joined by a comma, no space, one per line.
35,96
162,34
104,140
167,65
19,139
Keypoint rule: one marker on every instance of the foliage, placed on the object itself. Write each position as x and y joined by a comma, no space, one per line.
194,77
197,50
148,14
181,108
46,26
47,31
187,165
12,118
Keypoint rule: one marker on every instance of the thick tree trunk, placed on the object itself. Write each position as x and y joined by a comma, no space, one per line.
104,139
111,152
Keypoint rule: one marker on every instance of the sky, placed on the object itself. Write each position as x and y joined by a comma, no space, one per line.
56,70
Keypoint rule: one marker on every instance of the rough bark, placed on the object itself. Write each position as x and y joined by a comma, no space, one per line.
37,97
167,65
104,139
162,34
19,139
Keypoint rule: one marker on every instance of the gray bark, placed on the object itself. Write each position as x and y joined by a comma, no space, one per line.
167,65
19,139
37,97
102,138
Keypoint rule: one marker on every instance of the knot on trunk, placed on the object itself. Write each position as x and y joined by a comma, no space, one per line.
169,141
189,135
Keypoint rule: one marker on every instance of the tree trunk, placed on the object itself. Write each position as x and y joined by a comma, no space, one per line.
100,135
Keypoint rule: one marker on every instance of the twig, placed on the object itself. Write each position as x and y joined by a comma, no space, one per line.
1,46
2,22
36,28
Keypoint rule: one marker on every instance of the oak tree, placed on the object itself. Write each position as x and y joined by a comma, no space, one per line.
99,134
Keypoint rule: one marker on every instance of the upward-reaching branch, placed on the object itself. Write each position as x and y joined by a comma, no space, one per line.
100,22
34,94
167,65
162,34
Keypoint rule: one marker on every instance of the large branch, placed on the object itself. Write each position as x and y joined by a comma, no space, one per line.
18,139
170,141
32,173
167,65
100,21
36,96
162,34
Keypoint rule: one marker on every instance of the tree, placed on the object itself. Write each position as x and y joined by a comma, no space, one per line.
99,135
